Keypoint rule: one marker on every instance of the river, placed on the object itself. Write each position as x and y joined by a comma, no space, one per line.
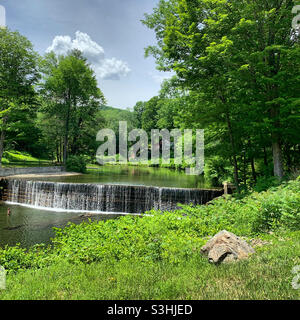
29,226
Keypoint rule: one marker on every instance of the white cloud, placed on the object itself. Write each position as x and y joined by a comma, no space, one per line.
160,77
107,69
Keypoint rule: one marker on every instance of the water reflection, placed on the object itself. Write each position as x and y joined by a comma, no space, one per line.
145,176
31,226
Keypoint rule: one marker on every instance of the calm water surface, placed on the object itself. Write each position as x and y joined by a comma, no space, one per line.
29,226
127,175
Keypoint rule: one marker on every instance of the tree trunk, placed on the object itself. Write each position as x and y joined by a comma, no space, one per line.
74,145
276,145
244,172
277,159
275,109
66,138
253,169
61,148
57,151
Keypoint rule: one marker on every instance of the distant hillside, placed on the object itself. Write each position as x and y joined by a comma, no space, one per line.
112,116
114,110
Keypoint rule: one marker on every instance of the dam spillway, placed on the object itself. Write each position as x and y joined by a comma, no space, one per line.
101,197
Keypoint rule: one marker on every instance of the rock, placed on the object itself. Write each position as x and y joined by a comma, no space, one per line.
226,247
87,215
258,242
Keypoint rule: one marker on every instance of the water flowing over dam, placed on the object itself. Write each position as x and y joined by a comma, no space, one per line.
101,197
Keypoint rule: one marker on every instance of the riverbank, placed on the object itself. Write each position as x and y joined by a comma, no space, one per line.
265,276
158,256
7,172
44,175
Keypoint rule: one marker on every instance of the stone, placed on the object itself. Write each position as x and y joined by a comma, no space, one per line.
259,243
226,247
87,215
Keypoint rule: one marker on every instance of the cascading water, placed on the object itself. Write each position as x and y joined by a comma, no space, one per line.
103,198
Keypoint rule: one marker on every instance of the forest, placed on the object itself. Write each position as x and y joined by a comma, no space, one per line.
236,75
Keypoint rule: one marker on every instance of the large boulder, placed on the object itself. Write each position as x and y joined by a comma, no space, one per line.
226,247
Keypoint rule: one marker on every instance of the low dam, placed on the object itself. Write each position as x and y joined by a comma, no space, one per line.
5,172
100,197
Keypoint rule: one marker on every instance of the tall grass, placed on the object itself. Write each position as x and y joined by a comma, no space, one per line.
266,275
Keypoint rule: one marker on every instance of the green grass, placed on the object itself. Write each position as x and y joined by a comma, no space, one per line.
266,275
148,163
157,256
22,159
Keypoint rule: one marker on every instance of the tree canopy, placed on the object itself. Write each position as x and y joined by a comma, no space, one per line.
241,59
71,97
18,75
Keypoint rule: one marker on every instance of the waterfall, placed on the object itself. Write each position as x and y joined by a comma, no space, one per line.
103,198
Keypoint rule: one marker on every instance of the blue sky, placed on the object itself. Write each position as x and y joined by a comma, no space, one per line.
109,32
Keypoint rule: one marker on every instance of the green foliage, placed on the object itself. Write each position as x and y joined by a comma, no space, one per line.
18,99
138,111
217,170
171,237
76,164
256,213
150,114
17,156
5,161
241,61
14,158
112,116
265,276
71,100
16,258
266,182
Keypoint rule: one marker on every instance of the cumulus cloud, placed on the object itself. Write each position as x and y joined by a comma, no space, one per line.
107,69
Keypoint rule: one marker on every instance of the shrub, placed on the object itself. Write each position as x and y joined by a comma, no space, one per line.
76,164
266,182
217,170
17,258
257,213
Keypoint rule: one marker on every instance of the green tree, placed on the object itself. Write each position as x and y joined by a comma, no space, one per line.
24,133
172,100
138,111
71,94
150,114
242,60
18,74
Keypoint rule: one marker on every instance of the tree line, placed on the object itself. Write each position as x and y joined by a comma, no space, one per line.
236,66
237,76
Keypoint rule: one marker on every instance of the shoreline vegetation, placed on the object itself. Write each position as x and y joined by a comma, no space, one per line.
157,256
214,176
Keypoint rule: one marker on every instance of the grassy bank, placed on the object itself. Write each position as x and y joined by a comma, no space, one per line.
22,159
267,275
148,163
158,256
